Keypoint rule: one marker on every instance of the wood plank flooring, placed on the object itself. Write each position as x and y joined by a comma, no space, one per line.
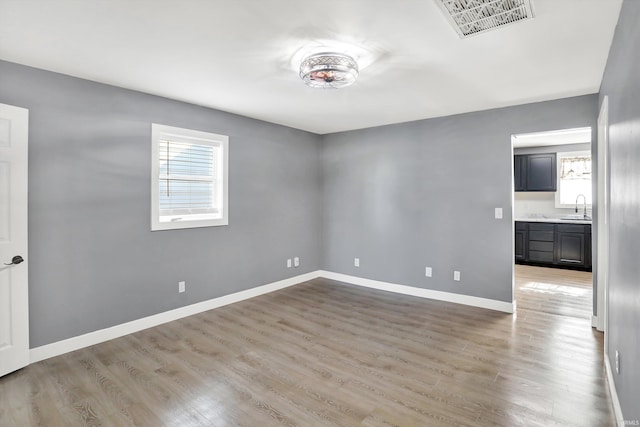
328,354
553,290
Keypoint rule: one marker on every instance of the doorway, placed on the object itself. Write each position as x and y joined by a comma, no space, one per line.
552,212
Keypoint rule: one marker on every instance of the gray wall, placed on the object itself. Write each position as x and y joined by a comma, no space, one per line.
621,85
418,194
93,261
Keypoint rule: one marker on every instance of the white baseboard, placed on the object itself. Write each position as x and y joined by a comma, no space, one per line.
75,343
506,307
595,323
617,409
61,347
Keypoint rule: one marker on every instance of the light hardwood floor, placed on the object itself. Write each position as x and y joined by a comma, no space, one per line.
329,354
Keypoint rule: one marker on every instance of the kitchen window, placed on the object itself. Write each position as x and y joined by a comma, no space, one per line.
574,178
189,178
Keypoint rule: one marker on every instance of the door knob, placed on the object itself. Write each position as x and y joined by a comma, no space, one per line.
16,260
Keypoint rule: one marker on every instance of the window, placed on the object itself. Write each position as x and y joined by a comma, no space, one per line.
574,178
189,178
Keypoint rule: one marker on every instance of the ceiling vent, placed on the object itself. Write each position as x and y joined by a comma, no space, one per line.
470,17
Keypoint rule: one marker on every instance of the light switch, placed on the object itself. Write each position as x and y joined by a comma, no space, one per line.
498,213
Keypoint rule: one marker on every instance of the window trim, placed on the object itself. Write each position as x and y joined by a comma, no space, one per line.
163,132
560,155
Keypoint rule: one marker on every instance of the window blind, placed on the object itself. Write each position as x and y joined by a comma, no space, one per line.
187,182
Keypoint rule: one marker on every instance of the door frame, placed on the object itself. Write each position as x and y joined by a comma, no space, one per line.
603,188
514,137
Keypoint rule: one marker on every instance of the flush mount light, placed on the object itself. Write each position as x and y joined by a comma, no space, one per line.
328,70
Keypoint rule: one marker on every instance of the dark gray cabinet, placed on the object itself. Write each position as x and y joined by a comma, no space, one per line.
587,247
551,244
535,172
520,173
541,247
571,245
541,172
522,237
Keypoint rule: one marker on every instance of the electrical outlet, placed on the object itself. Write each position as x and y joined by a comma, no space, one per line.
296,262
428,272
182,287
289,263
456,276
356,262
617,362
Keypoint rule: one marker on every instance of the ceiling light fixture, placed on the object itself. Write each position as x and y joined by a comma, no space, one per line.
328,70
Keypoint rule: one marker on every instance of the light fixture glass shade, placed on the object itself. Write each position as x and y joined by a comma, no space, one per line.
328,70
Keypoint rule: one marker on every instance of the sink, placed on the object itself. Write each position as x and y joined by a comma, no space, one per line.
575,218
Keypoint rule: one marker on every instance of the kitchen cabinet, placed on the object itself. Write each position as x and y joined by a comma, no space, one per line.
520,173
587,247
541,242
522,237
535,172
571,245
553,244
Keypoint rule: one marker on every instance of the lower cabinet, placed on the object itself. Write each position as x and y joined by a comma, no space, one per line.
541,246
561,245
570,245
521,241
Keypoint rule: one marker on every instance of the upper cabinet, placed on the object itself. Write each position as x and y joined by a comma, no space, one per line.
520,173
535,172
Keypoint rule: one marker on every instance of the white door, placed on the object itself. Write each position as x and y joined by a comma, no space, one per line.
14,301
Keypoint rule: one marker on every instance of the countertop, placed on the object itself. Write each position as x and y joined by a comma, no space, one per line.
554,220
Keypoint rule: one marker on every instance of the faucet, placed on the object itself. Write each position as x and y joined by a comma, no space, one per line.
585,204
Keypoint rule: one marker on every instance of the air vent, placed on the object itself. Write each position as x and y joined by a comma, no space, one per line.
470,17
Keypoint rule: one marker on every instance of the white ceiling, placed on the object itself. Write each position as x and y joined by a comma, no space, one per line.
242,56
